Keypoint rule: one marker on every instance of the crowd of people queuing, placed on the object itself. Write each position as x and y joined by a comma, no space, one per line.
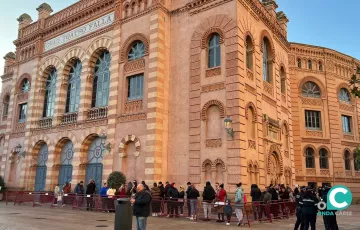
213,198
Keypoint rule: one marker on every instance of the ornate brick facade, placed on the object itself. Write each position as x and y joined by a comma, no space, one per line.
175,130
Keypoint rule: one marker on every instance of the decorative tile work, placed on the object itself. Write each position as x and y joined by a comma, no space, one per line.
324,172
132,117
349,137
348,173
249,74
133,106
346,107
311,172
268,88
314,133
134,66
213,72
251,144
312,101
212,87
213,143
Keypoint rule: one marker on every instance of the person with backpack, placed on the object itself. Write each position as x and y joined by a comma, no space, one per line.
208,197
239,203
173,195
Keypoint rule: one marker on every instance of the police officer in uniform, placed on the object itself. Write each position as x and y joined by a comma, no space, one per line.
309,209
329,220
299,216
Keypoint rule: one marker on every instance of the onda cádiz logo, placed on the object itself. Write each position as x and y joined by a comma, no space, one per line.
338,198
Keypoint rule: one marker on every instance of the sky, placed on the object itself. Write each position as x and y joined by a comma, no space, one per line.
332,24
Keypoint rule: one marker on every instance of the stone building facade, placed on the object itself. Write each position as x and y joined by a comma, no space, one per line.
144,87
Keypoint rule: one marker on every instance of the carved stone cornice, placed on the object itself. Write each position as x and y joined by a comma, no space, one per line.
352,144
131,117
315,140
213,87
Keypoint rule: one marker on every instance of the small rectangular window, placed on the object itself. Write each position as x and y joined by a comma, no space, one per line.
312,120
22,112
135,87
346,124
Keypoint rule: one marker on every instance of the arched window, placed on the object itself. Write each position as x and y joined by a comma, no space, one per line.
251,124
283,80
324,160
50,91
100,95
266,60
344,96
73,90
6,105
137,51
25,85
356,163
214,51
310,158
249,53
320,66
311,89
299,62
347,160
310,64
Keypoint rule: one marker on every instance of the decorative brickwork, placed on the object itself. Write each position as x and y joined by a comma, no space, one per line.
248,105
133,66
213,87
210,103
128,43
125,141
312,101
213,143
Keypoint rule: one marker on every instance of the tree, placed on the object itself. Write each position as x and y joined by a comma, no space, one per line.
2,184
116,179
354,82
357,158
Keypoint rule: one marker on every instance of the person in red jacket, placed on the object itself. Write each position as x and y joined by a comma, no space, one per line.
221,197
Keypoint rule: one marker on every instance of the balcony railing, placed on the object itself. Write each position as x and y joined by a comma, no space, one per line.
45,122
97,113
69,118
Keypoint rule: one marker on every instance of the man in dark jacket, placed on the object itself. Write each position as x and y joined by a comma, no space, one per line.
173,195
265,200
141,204
208,197
79,188
90,191
309,210
255,195
187,197
166,189
299,216
329,220
162,190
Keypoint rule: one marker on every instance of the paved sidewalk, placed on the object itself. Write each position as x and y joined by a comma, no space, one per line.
43,218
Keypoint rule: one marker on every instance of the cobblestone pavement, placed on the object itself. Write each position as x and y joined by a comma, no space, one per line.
29,218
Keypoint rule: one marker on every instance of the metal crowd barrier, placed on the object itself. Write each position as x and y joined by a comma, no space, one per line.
251,211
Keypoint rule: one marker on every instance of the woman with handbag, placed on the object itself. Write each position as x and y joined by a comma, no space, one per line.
221,197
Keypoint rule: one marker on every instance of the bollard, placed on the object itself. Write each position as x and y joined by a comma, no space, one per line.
123,214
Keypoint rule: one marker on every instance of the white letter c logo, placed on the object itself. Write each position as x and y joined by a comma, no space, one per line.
332,198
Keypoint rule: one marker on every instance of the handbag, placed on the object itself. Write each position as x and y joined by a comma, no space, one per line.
59,197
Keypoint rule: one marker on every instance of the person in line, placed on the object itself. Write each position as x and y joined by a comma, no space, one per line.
166,197
299,216
141,204
67,188
255,194
162,190
193,196
329,220
228,211
56,193
103,190
208,198
221,196
129,189
173,195
181,200
156,203
145,185
121,191
90,191
187,197
309,210
274,200
79,188
265,202
134,188
239,203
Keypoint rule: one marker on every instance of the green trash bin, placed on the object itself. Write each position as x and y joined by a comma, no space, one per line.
123,214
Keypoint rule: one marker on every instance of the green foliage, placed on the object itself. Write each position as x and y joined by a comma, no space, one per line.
354,83
357,158
2,184
116,179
